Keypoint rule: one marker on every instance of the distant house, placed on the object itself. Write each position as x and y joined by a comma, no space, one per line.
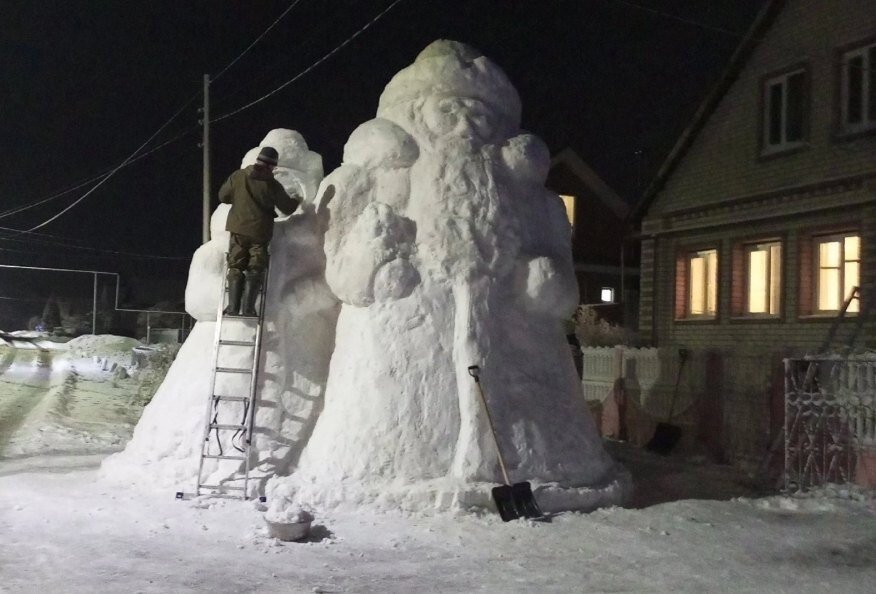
763,217
606,267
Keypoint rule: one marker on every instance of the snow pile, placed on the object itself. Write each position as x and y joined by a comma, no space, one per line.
80,400
288,515
103,352
296,345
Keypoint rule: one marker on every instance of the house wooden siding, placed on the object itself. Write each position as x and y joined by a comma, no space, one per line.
722,192
724,162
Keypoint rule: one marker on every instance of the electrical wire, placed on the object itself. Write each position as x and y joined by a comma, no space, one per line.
86,248
106,174
701,25
675,17
279,62
309,68
99,176
118,167
259,38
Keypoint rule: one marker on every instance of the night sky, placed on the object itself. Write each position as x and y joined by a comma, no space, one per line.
86,83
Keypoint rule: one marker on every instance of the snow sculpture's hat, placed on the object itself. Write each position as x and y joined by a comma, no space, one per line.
453,69
268,155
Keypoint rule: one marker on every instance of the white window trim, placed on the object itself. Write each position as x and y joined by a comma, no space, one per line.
839,237
783,145
866,92
759,246
708,275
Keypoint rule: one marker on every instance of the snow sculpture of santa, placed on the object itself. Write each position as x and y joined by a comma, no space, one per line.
447,251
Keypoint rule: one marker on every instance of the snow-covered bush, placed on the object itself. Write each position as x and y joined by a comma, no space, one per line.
592,331
150,376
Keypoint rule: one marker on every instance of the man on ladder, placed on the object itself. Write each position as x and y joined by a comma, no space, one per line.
253,194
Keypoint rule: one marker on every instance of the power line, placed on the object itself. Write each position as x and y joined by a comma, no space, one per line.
675,17
86,248
113,172
309,68
701,25
259,38
97,177
106,174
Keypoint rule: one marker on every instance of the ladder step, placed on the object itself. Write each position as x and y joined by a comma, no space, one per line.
248,343
215,457
231,398
233,370
225,426
220,487
240,317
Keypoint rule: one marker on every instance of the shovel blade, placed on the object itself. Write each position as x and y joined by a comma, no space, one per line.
516,501
666,437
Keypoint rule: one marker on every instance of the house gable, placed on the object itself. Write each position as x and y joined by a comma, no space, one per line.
722,159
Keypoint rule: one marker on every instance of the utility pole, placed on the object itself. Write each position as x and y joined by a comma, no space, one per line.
205,144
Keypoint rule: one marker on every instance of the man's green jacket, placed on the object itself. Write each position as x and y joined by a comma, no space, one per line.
253,193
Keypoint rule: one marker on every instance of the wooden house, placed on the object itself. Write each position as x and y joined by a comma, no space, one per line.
762,219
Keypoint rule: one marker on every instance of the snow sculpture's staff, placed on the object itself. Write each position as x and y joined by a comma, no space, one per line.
253,194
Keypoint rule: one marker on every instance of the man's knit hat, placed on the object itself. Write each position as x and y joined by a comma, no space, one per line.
268,155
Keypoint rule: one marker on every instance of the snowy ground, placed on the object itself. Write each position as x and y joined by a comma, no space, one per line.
64,403
63,530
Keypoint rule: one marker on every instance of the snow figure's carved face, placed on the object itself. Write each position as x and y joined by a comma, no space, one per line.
452,93
460,117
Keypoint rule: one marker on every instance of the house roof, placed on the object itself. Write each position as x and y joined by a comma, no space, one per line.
753,36
591,179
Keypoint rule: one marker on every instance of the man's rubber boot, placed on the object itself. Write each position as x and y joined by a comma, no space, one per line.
235,290
250,292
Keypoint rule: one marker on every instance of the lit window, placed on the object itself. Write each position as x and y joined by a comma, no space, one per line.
764,278
702,282
569,203
606,295
858,80
837,266
784,111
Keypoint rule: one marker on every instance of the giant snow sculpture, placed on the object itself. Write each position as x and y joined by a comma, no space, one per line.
446,251
166,445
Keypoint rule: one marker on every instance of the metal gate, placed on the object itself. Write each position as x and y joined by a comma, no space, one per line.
830,419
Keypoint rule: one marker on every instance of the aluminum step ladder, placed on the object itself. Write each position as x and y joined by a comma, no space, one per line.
219,403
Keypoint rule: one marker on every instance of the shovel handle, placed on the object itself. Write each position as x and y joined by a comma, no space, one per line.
473,371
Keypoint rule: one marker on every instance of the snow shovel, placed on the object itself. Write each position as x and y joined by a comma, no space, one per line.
512,501
667,435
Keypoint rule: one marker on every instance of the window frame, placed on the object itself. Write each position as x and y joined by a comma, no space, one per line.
768,149
683,284
843,128
570,207
746,248
816,241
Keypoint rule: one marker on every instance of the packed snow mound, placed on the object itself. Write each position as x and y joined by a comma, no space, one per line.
89,345
297,339
299,170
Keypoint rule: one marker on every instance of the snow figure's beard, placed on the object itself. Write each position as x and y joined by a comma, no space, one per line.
465,225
